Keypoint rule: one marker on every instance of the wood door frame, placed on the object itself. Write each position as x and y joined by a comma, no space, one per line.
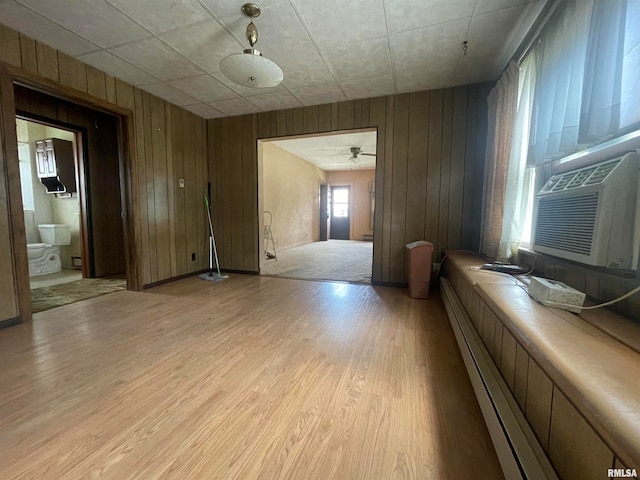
10,75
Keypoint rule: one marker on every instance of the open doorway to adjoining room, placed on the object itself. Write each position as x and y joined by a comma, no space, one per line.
316,204
70,176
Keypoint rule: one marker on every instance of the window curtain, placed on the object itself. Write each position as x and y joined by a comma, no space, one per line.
502,102
601,96
561,57
518,177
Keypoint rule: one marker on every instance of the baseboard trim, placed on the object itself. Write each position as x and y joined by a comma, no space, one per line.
10,322
518,450
193,274
379,283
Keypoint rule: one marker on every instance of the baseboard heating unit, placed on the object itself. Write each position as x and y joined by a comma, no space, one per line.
518,450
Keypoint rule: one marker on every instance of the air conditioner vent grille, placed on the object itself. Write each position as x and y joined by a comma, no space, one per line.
567,223
583,177
601,172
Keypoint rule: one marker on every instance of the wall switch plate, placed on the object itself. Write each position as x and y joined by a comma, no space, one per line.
181,182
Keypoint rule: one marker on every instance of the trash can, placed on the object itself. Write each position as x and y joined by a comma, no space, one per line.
419,268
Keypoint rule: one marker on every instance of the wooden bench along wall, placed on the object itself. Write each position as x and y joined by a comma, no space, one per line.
576,385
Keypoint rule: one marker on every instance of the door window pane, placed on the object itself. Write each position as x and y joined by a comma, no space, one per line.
340,202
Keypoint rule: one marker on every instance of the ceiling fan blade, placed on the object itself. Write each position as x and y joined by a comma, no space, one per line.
368,154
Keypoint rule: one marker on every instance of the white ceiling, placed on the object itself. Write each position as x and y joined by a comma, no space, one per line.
333,151
329,50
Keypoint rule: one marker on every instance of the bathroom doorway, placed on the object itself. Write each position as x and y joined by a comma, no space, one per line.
50,202
82,152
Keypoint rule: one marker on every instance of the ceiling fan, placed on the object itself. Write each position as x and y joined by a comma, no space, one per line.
355,151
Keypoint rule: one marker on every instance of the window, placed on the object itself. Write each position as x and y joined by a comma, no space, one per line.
630,105
26,182
587,70
586,90
340,202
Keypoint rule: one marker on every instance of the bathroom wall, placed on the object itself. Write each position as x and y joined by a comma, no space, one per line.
48,207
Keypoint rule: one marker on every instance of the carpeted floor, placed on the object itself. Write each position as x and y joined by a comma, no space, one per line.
46,298
338,260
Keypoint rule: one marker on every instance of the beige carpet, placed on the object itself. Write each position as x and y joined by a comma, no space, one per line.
338,260
46,298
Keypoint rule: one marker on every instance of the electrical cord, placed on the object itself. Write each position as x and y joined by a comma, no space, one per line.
591,307
606,304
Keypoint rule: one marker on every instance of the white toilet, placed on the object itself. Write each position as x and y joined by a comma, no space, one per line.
45,257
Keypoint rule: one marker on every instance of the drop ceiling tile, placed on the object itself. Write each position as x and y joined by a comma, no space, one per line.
204,111
222,8
428,46
319,94
247,91
204,88
485,6
337,22
279,27
162,15
36,26
476,69
158,59
117,67
237,106
274,101
302,65
376,86
92,19
205,44
425,78
487,31
356,60
404,15
170,94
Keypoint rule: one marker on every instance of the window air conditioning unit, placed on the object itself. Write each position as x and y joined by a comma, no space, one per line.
588,215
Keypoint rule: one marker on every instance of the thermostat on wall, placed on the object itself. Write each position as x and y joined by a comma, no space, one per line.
552,293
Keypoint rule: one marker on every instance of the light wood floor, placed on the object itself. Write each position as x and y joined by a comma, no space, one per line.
252,377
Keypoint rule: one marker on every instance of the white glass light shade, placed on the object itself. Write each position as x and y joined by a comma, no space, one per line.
251,69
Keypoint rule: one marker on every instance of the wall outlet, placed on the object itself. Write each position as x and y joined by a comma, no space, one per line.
193,257
436,267
181,182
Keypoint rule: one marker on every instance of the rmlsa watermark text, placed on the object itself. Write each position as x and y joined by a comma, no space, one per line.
622,473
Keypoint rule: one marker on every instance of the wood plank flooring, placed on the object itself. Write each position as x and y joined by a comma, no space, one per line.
248,378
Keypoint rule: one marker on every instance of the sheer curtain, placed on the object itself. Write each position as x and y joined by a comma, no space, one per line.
502,111
601,96
518,181
560,66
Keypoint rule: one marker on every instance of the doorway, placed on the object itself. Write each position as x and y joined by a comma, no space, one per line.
50,202
340,213
318,191
73,155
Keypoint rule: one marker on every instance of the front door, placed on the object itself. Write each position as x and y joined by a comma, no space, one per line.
340,213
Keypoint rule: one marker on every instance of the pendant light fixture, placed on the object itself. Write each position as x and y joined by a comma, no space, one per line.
250,68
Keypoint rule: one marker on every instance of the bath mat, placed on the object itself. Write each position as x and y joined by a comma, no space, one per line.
46,298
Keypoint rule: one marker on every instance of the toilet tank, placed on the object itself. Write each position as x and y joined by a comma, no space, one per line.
55,234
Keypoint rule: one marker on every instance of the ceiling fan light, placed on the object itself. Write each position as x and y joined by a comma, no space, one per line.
251,69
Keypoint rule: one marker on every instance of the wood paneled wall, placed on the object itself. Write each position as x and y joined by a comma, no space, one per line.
167,223
430,163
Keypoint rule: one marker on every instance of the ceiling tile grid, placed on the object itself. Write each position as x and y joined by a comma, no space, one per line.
329,50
